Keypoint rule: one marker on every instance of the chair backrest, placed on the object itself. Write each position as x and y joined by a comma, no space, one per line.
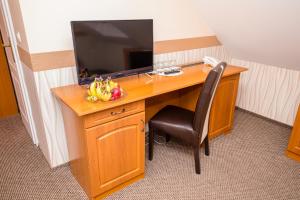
203,106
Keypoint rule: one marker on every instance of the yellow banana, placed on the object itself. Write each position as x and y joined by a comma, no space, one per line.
93,89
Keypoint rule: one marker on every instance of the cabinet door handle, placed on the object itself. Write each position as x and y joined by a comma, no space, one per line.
116,113
143,126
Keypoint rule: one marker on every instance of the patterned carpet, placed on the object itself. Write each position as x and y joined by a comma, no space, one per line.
248,163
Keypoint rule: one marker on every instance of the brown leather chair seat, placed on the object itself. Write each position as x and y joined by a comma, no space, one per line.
190,127
176,120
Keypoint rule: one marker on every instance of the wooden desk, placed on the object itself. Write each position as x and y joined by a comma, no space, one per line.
106,139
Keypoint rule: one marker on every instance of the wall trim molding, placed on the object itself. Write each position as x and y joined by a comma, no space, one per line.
25,57
185,44
48,60
60,59
52,60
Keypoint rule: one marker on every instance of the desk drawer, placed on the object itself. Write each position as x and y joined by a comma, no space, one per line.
113,113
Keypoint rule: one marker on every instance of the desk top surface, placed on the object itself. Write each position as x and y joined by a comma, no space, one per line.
137,88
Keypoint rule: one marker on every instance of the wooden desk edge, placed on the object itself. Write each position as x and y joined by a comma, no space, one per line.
57,93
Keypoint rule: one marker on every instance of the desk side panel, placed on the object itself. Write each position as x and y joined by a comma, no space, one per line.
76,147
223,107
293,150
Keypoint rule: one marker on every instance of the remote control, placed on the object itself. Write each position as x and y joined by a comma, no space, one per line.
172,72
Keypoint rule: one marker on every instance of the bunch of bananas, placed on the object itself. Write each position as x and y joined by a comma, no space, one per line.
104,90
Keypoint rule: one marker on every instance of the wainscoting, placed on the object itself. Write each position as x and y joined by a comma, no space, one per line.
193,56
273,92
50,111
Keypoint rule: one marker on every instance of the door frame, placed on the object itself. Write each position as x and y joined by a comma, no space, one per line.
20,76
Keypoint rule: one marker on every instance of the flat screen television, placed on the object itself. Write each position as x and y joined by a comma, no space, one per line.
112,48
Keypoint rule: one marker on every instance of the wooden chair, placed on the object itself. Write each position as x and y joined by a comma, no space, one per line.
188,126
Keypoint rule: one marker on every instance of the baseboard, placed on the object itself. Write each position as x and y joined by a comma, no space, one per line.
60,166
263,117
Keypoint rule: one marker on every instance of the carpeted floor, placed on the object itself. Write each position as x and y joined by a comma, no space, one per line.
248,163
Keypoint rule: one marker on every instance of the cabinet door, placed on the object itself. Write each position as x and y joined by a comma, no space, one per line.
294,142
222,110
116,152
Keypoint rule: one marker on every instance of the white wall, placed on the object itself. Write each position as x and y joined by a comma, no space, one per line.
265,31
47,22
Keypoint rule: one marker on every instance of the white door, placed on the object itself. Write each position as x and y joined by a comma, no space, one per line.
16,69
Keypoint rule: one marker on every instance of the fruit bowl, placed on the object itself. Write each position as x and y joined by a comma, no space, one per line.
104,90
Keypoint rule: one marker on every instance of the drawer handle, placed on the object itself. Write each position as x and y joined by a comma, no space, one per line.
143,126
116,113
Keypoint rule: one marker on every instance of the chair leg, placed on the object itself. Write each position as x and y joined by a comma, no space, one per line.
151,142
168,137
206,146
197,159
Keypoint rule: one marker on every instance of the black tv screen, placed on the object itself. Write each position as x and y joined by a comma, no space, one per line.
112,48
